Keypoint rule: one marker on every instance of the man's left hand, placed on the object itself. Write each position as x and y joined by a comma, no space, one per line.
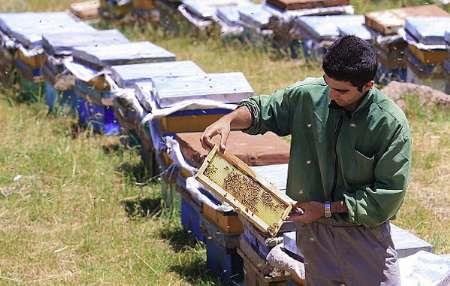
312,211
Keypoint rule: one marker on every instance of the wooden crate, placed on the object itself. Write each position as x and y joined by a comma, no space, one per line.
228,223
86,10
192,123
259,202
306,4
34,62
436,57
144,4
389,22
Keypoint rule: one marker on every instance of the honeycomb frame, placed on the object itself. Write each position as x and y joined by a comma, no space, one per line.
264,206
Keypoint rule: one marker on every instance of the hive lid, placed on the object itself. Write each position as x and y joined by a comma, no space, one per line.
327,27
121,54
360,31
222,87
126,75
28,28
428,30
63,43
254,15
232,181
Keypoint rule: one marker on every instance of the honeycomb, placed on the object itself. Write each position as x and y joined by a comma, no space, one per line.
256,199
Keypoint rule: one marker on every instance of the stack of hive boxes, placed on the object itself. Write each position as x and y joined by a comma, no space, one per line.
389,43
25,30
59,82
427,50
318,32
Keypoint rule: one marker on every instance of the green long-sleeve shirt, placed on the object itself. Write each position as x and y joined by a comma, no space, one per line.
362,157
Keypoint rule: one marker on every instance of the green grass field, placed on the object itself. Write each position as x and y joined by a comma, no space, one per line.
78,209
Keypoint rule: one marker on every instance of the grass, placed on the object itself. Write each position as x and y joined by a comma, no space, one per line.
73,211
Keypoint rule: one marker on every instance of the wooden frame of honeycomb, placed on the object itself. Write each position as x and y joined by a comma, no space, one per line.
231,180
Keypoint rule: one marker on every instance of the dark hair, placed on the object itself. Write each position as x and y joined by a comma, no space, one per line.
350,59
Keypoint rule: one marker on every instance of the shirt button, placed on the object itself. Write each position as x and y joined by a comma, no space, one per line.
309,125
308,162
352,125
301,192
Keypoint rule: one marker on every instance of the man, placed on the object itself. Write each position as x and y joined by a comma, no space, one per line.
349,164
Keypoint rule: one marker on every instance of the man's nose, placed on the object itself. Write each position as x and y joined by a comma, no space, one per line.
334,94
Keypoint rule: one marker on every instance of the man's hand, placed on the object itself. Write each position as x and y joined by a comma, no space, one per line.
221,127
312,211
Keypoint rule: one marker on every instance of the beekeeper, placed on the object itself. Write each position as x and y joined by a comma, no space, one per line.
349,164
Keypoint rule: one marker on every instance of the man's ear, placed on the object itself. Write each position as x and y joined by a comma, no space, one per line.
368,86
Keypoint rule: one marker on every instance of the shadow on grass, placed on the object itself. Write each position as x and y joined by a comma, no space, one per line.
196,272
142,207
135,171
178,238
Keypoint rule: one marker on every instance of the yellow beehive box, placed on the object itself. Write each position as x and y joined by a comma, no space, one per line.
231,180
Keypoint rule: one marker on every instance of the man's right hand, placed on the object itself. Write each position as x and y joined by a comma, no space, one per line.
238,119
221,127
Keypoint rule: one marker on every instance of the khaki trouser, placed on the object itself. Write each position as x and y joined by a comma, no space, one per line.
348,255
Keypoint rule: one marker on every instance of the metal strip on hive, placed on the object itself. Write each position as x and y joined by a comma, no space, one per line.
64,43
126,75
222,87
122,54
259,202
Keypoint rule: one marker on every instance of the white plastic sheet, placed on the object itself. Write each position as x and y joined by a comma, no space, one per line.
425,269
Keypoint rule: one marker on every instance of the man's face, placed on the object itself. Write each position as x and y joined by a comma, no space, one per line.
344,93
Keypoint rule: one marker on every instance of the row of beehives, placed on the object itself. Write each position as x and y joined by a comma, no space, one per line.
139,89
409,41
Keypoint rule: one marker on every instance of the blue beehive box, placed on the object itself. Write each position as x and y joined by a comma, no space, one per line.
121,54
191,218
428,30
59,100
224,262
100,117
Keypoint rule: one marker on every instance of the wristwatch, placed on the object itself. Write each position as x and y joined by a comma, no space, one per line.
327,208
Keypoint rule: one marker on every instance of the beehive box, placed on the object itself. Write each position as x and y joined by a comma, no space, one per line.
306,4
233,181
389,22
